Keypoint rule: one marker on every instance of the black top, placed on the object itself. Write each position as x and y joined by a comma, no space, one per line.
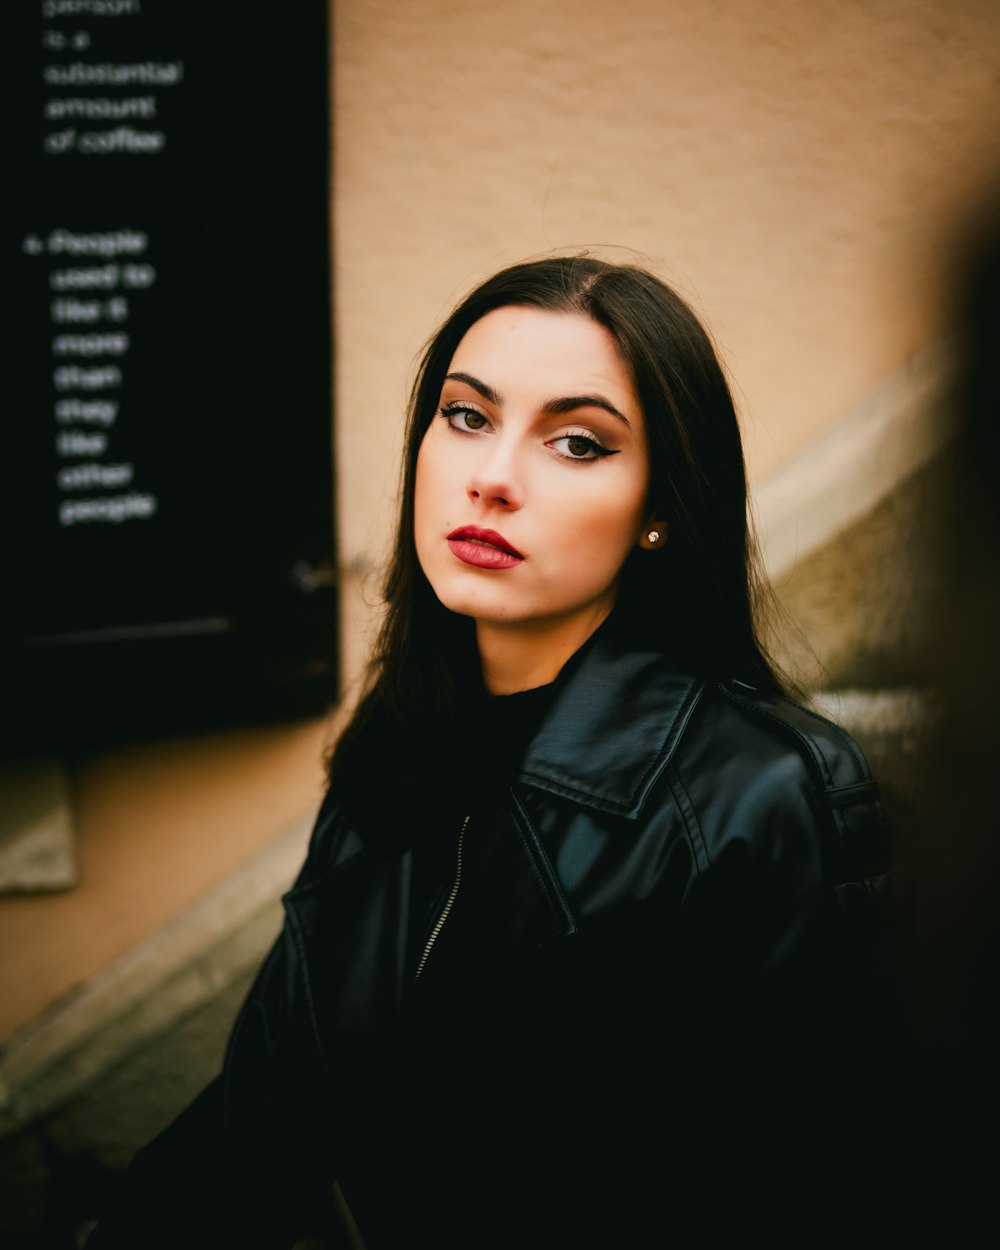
473,781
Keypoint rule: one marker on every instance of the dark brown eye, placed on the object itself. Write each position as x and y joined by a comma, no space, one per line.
579,447
464,419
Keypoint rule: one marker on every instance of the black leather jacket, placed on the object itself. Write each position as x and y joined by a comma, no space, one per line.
651,971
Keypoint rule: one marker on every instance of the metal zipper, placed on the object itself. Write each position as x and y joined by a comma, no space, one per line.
449,902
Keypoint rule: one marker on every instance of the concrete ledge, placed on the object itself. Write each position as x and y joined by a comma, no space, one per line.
897,428
37,849
877,714
179,969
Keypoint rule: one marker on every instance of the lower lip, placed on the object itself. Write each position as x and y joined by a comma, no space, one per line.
482,557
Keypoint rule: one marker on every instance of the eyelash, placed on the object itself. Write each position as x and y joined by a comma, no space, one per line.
597,451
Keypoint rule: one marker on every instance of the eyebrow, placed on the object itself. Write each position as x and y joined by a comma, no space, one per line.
483,388
567,403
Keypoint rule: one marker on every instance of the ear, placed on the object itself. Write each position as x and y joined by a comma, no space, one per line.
654,535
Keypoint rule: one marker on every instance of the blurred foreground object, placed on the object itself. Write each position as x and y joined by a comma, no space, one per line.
948,866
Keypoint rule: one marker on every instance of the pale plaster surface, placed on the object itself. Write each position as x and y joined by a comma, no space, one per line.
795,169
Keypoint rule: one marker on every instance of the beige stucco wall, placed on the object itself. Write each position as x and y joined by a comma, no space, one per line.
793,166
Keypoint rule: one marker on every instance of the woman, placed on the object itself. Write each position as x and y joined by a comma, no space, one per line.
577,929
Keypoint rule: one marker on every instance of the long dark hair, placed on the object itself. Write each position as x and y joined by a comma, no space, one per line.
693,599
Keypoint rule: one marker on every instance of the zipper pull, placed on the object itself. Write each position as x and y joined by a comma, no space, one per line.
449,902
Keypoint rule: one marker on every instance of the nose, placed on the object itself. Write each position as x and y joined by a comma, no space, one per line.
496,477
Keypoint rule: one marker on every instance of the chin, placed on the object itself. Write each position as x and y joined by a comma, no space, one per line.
487,614
457,596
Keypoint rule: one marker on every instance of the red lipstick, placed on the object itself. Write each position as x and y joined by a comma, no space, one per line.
486,549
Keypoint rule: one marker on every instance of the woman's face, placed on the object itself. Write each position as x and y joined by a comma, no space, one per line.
532,479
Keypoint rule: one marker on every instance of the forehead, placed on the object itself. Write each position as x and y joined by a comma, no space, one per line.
547,349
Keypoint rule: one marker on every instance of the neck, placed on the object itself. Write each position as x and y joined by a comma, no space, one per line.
523,656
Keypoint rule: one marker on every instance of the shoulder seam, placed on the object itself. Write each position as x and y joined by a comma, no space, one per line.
854,806
811,746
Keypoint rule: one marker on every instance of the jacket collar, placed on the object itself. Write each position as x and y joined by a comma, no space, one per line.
616,719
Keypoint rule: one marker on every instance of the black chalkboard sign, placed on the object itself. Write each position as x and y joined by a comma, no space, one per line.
168,513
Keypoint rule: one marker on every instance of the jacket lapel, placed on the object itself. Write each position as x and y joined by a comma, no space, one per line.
612,728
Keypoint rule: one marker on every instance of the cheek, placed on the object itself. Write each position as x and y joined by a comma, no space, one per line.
612,521
428,459
433,501
420,481
423,495
429,475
